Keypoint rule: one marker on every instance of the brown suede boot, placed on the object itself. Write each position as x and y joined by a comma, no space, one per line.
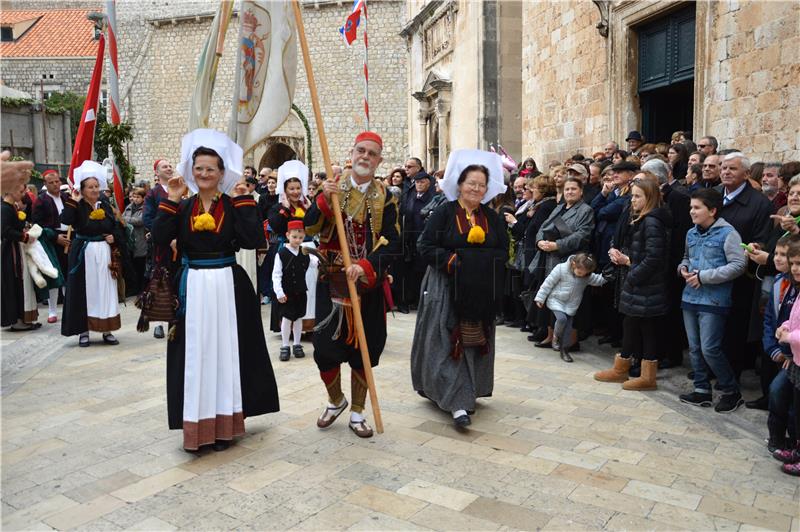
619,373
648,379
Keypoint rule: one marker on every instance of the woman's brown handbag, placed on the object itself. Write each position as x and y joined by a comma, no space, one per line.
157,301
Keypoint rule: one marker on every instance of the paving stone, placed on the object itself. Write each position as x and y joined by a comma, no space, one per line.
622,521
378,521
612,500
438,518
658,493
744,514
693,520
257,480
36,512
386,502
568,457
152,485
509,515
376,476
597,479
84,513
443,496
103,486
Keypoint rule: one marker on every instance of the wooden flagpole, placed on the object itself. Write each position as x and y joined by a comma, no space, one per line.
337,211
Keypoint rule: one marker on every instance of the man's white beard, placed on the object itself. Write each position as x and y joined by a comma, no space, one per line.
768,190
361,170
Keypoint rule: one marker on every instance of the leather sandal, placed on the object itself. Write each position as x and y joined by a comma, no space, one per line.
110,339
361,429
330,414
83,340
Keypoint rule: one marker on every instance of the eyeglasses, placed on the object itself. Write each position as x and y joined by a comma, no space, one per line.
703,145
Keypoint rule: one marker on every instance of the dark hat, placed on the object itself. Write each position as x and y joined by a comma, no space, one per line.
634,135
625,165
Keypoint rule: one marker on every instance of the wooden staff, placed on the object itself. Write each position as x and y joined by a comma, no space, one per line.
337,212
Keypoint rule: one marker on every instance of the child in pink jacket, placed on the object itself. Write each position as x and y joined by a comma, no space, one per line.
789,333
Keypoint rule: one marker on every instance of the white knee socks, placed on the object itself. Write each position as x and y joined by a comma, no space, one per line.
291,327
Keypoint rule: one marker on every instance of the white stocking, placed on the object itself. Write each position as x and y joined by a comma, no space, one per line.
52,302
286,330
297,330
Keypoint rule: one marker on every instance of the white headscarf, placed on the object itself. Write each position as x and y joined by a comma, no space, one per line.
292,170
90,169
460,159
230,152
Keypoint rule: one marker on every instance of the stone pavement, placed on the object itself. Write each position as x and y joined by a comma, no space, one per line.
85,446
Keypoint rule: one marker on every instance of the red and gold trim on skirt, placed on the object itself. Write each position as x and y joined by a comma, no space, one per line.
104,324
207,431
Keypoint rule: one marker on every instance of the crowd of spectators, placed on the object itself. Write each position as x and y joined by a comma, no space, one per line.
691,241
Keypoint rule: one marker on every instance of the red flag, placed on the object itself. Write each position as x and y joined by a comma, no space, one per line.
84,140
348,31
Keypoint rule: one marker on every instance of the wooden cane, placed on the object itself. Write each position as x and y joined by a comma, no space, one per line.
337,212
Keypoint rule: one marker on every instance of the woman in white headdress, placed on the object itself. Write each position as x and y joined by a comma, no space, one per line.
91,302
218,368
292,204
465,245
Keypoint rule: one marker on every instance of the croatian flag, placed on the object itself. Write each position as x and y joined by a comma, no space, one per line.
348,31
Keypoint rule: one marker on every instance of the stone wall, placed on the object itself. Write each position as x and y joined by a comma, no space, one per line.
564,80
579,88
753,94
56,74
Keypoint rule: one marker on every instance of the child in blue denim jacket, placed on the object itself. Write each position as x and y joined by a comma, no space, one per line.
713,259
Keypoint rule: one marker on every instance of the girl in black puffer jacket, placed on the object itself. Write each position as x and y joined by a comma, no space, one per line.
643,297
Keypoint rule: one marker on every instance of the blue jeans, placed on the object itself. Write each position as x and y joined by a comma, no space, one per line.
780,409
705,331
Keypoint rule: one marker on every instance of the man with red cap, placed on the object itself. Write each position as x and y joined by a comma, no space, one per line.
157,256
370,217
46,212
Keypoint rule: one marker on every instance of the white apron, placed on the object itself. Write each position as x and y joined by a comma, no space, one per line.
212,392
102,307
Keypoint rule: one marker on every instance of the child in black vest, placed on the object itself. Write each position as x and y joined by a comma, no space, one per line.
289,284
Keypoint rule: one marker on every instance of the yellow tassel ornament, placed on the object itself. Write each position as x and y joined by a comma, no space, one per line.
204,222
476,235
21,216
97,214
299,213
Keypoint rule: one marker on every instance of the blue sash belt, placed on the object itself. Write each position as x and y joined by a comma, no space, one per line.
198,264
83,241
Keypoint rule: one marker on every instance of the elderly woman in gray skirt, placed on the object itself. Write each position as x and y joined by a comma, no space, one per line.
567,231
465,245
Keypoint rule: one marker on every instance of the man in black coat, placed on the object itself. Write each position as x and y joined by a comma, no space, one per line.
413,224
45,212
748,211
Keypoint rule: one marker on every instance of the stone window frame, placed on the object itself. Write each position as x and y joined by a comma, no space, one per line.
623,55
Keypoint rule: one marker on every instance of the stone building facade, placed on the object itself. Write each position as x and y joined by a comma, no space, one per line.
464,75
161,58
582,84
159,45
55,75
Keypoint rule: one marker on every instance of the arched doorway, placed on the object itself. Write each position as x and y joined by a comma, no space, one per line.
277,154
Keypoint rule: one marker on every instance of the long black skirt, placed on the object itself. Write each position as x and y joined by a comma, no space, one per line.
259,389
